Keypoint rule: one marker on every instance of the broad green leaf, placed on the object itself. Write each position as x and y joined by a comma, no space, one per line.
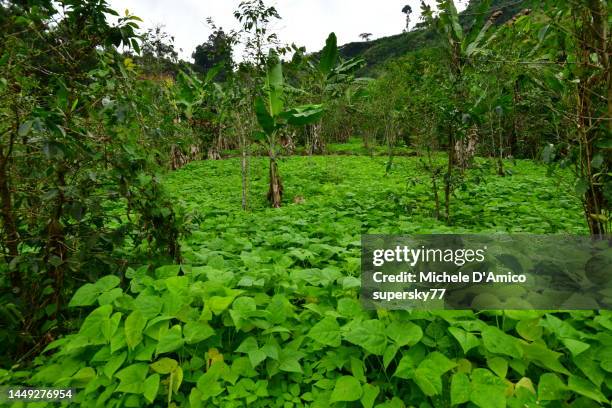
586,388
466,340
389,354
488,390
132,378
370,392
481,15
543,356
107,283
208,383
177,379
404,333
113,364
551,388
327,332
498,342
442,363
218,304
149,306
428,377
575,346
196,332
178,285
524,384
350,66
150,388
498,365
109,327
303,115
86,295
587,363
347,388
370,335
249,344
289,360
409,362
358,369
91,327
171,341
83,376
266,121
274,85
460,389
167,271
329,55
529,329
256,357
110,296
134,326
118,341
164,365
195,397
429,372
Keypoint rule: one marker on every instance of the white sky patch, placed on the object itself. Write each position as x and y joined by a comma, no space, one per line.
304,22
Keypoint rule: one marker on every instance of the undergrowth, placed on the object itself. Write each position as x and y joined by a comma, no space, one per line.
264,312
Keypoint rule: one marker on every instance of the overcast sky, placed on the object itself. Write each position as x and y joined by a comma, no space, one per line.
304,22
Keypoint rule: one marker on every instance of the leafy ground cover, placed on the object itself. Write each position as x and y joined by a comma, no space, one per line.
353,146
265,311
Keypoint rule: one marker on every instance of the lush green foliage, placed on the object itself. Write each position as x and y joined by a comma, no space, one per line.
80,133
261,305
264,311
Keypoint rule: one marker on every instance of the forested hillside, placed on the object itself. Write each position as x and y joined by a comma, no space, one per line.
189,233
377,52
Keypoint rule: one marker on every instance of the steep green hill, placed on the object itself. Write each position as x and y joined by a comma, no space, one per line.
376,52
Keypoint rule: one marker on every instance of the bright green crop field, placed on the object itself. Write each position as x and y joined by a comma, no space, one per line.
265,310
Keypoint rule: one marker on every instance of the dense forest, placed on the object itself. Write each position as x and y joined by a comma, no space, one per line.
187,233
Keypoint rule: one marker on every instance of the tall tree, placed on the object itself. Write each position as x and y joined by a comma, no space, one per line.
255,17
217,50
582,34
407,10
158,55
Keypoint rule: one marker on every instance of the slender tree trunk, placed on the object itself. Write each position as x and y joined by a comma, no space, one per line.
514,131
8,217
434,183
243,171
593,38
448,179
500,157
56,246
391,139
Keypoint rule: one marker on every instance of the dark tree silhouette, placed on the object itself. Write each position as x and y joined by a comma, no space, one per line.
365,36
218,49
407,10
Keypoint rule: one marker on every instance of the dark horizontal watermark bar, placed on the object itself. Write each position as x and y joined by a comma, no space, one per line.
486,272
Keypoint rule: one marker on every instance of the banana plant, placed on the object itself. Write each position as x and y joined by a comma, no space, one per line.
330,77
331,71
461,44
191,91
272,116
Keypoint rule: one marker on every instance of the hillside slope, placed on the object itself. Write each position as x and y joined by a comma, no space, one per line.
378,51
